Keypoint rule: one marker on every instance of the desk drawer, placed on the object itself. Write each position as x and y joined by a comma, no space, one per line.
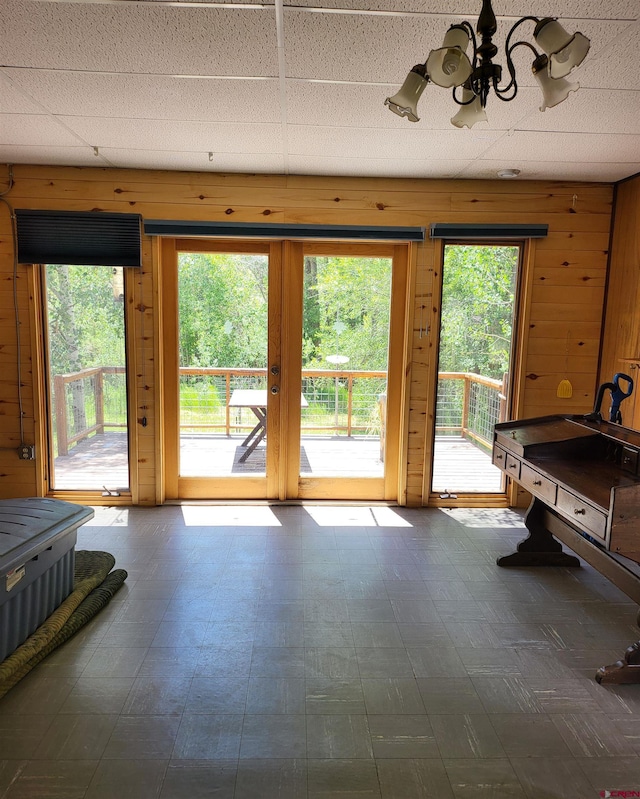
513,467
582,514
538,484
499,458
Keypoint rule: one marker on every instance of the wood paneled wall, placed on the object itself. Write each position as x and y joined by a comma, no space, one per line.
563,291
621,335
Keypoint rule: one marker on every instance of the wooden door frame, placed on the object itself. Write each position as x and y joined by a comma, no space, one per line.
43,402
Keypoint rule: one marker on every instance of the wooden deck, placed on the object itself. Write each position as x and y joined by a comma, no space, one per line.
101,462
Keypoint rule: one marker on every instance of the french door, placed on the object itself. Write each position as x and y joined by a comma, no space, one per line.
283,365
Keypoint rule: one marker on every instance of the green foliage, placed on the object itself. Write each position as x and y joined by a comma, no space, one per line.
223,310
349,305
477,308
86,323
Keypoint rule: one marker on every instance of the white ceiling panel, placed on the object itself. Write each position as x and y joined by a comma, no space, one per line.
36,129
566,147
355,143
11,97
354,47
550,170
125,37
217,2
48,154
198,162
617,66
144,134
382,167
590,111
301,88
470,9
151,96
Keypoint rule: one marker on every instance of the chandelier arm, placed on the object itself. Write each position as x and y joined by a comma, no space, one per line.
515,26
512,70
462,102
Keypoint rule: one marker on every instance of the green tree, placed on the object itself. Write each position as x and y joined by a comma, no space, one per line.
351,303
85,318
223,310
477,308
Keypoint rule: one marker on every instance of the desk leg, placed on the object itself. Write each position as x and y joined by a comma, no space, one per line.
258,433
623,671
540,548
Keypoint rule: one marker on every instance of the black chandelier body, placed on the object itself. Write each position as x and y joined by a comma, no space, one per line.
450,67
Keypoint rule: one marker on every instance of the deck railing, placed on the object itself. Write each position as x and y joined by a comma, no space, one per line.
79,400
340,402
469,405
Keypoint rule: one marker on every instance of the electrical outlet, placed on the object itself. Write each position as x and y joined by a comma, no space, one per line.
27,452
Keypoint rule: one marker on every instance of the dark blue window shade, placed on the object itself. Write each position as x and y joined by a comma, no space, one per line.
476,232
185,229
79,237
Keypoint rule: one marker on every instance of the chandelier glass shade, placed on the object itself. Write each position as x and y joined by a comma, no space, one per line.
473,77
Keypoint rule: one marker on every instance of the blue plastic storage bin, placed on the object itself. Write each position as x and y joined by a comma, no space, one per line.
37,558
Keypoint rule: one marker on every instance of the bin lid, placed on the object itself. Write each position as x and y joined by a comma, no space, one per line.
30,525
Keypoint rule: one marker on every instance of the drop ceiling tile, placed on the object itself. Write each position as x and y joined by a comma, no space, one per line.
586,148
124,37
556,170
366,167
354,143
144,134
11,98
590,111
458,8
36,129
576,9
355,47
57,156
564,9
217,2
151,96
604,69
199,162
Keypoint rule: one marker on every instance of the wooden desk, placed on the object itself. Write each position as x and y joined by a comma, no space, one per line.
256,400
585,480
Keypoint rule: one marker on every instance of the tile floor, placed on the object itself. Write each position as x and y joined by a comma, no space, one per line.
341,652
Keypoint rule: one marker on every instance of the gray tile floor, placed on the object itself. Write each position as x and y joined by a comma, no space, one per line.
328,651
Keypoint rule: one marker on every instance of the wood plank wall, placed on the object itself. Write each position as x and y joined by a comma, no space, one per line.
564,295
621,335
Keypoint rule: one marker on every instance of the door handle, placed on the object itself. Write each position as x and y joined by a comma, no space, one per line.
275,370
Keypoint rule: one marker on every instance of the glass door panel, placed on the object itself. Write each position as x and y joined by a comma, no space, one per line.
223,351
345,351
476,342
86,367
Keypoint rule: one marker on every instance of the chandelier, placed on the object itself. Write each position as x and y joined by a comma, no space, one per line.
473,79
